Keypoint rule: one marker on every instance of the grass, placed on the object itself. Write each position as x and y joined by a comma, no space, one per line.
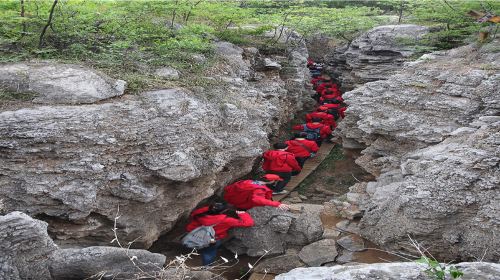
335,155
11,95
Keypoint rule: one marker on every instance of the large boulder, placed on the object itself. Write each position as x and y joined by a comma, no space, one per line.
275,230
376,54
389,271
24,248
55,83
27,252
156,154
432,137
107,262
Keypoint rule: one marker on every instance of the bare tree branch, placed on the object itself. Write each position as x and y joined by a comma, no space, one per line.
49,22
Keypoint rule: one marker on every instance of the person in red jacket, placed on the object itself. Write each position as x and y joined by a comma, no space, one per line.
336,110
222,219
326,119
281,163
247,194
315,130
302,148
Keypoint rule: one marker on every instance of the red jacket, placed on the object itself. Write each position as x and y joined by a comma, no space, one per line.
222,222
331,96
248,194
324,132
328,85
326,118
297,147
280,161
325,108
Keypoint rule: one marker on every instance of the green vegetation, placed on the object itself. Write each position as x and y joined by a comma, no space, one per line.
328,163
438,271
128,38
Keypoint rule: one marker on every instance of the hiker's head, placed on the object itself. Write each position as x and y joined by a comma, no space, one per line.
315,120
217,208
280,146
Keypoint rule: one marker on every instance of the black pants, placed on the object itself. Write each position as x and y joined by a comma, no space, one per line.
301,161
319,142
286,176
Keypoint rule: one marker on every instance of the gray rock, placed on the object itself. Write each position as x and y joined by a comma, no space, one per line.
156,154
434,149
56,83
270,64
279,264
275,230
330,234
345,257
352,243
24,248
109,261
388,271
376,54
167,73
319,252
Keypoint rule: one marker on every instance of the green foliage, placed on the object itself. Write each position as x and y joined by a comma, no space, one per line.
125,37
438,271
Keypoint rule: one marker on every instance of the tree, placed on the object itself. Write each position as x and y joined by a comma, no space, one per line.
49,22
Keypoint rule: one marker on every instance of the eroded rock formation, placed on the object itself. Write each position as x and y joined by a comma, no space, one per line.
27,252
375,55
275,230
55,83
432,133
388,271
156,155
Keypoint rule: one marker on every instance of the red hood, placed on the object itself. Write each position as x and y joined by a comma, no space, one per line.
314,125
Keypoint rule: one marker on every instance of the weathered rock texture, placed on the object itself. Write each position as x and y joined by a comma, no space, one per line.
24,247
275,230
432,134
27,252
389,271
156,155
375,55
59,83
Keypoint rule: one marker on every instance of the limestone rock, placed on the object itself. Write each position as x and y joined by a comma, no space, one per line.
156,154
279,264
111,262
388,271
376,54
319,252
167,73
56,83
275,230
352,243
345,257
24,247
435,150
270,64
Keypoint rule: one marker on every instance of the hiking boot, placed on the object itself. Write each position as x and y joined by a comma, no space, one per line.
280,192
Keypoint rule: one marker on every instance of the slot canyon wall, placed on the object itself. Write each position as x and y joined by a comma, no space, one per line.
82,148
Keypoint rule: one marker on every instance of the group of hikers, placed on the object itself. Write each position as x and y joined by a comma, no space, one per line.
208,225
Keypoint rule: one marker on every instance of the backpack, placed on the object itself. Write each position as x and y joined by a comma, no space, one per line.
312,133
199,238
239,193
334,113
332,101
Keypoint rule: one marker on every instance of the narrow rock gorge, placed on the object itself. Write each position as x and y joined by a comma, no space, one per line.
154,155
